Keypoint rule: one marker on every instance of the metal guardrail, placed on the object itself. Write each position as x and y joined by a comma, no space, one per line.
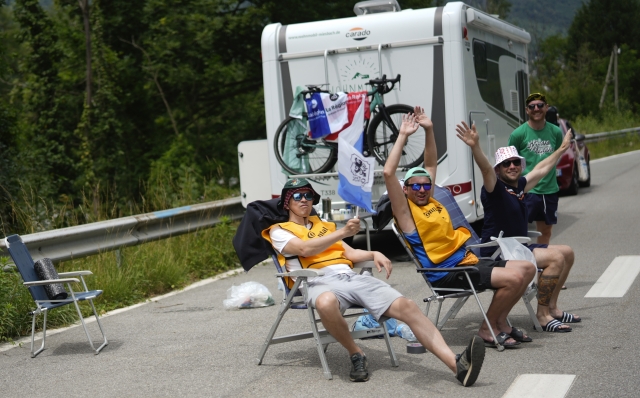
602,136
89,239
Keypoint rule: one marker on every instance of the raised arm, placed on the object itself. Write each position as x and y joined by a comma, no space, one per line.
470,137
430,149
399,204
305,248
543,168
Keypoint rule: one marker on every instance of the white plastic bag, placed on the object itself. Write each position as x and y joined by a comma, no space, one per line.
248,295
514,250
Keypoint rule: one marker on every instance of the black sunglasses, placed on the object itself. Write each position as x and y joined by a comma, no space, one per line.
416,187
508,162
297,196
533,106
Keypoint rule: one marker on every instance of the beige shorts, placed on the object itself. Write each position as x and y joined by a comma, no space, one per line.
355,289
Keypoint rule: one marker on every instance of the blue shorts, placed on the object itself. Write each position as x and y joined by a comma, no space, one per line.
542,207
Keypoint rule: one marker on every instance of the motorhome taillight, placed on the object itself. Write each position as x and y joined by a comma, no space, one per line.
464,32
459,189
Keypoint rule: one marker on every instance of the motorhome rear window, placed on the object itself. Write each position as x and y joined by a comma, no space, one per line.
480,59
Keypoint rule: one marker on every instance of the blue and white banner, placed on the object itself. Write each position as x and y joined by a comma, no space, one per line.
354,169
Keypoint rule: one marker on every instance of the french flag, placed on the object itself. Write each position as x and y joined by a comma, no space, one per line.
355,170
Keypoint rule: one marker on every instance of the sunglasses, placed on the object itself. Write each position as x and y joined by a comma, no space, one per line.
416,187
533,106
297,196
508,162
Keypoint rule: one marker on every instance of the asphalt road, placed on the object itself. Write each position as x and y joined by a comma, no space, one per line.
186,344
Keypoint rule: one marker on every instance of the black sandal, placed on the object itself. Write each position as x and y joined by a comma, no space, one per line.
518,335
501,338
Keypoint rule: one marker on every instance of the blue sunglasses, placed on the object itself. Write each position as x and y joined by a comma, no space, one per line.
416,187
299,195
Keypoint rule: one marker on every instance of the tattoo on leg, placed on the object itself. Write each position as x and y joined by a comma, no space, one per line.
546,286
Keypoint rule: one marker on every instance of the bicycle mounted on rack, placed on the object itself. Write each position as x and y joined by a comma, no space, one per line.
298,153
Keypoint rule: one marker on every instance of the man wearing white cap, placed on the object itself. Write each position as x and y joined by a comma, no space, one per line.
427,226
505,210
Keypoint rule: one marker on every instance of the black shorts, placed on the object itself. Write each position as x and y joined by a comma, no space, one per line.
481,280
542,207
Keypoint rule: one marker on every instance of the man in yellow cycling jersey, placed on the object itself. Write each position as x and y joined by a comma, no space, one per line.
427,227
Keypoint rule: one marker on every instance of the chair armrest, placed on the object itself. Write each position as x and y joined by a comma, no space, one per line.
533,234
51,281
452,269
364,264
74,273
308,273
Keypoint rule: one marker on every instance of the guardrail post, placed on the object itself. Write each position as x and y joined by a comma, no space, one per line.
118,258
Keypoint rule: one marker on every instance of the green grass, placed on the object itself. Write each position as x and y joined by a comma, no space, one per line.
610,121
145,271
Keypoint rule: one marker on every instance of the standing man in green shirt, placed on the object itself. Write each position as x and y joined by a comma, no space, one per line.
536,140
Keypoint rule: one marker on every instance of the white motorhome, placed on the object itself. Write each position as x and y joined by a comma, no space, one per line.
456,61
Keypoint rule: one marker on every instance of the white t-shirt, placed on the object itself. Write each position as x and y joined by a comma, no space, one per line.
280,238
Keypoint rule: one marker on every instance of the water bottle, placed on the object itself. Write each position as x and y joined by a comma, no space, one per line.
405,332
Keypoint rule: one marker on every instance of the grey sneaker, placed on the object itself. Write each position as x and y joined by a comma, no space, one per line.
469,362
359,370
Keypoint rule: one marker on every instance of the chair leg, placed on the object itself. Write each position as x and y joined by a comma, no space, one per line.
86,331
316,336
532,314
33,332
283,309
392,354
104,337
484,314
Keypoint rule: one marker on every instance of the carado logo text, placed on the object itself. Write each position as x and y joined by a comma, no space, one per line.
358,34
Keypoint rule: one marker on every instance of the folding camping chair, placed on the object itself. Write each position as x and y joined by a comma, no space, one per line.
294,298
23,261
439,294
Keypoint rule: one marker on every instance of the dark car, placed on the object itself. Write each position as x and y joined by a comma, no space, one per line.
573,170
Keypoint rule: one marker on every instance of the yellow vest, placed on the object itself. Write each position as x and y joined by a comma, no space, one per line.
436,232
334,254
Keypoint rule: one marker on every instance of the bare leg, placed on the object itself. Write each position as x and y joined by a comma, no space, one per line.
549,259
328,308
427,334
510,283
545,230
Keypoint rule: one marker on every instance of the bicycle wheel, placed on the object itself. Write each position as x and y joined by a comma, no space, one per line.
381,137
299,154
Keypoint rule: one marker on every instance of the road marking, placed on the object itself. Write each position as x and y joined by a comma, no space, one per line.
540,385
617,278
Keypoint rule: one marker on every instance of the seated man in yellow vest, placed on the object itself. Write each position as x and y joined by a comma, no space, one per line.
428,229
306,241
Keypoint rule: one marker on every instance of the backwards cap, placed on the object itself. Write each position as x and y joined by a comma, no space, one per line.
534,97
417,172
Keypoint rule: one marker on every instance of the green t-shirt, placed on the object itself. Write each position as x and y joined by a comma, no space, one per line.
535,146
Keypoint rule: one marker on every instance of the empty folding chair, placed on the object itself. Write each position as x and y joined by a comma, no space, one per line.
23,261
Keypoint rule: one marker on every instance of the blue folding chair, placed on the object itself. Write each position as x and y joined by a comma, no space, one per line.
24,262
439,294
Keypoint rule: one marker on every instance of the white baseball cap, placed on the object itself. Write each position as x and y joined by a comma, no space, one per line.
508,152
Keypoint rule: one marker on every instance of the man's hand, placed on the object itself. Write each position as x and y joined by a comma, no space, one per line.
352,227
409,124
382,261
468,135
422,118
566,142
